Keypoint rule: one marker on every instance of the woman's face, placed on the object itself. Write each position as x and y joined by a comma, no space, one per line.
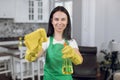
59,21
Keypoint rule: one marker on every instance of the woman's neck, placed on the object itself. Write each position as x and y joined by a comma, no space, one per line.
58,36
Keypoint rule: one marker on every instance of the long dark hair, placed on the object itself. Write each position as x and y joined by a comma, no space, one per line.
67,31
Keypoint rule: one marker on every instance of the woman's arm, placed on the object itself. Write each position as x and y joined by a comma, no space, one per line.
79,54
40,53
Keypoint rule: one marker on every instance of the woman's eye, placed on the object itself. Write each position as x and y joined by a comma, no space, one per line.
63,19
56,19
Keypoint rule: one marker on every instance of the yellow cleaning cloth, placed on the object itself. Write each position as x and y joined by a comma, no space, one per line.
33,42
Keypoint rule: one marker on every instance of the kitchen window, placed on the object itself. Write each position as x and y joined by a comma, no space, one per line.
31,10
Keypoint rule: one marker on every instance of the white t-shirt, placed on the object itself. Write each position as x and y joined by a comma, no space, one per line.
71,42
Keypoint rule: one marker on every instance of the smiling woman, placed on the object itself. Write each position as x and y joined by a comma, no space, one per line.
59,32
59,21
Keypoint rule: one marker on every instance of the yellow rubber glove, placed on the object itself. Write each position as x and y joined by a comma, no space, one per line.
33,42
30,56
69,52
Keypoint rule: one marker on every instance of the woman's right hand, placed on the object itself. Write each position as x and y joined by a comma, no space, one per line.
33,42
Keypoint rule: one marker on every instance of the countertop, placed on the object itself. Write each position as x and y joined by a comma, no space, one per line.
9,43
9,46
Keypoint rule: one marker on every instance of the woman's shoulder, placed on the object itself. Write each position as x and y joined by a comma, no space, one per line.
46,44
48,38
72,40
73,43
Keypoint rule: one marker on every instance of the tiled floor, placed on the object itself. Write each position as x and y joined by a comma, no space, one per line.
4,77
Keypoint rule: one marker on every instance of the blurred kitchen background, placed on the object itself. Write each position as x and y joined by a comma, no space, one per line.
94,22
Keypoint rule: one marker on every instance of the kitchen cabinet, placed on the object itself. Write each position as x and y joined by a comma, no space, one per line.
25,11
7,8
35,11
21,10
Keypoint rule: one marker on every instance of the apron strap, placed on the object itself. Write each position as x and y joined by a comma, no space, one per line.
66,41
51,40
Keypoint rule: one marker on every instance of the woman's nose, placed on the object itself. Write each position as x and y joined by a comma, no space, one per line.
59,22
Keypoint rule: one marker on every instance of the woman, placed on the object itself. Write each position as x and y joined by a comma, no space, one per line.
59,34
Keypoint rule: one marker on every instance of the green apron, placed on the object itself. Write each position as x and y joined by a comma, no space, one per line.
53,63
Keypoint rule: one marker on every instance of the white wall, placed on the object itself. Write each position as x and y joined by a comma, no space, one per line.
77,20
107,21
88,23
84,22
